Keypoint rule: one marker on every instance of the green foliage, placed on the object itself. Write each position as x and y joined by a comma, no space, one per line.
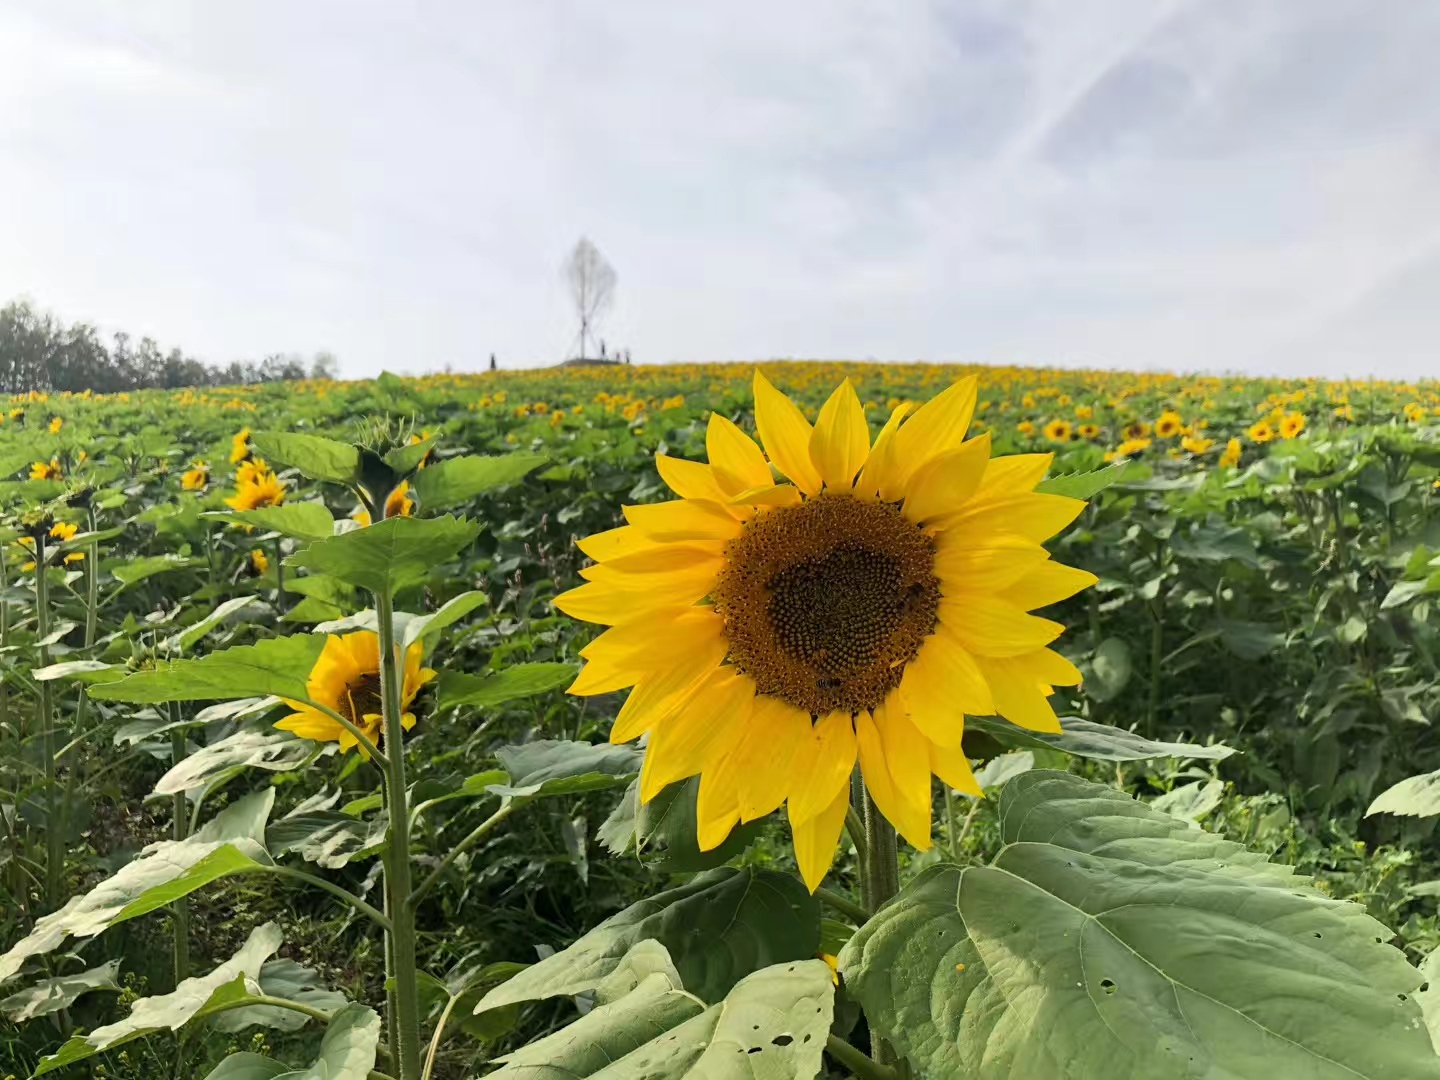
455,481
389,555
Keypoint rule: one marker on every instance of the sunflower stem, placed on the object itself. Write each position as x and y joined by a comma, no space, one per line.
879,881
844,905
863,1066
405,1005
464,845
179,829
54,827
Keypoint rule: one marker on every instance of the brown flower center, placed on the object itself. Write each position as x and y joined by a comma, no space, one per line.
361,698
826,602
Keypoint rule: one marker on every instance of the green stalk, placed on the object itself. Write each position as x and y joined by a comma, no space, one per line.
179,829
279,578
54,832
856,1061
397,870
879,881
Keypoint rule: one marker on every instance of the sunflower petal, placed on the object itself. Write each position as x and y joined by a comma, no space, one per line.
1034,516
700,734
937,426
987,569
773,495
912,821
944,484
879,466
988,626
1052,669
942,685
786,435
737,462
660,693
766,755
717,807
1018,697
840,442
1048,583
683,519
953,768
823,766
600,602
689,479
651,643
818,837
1014,474
615,542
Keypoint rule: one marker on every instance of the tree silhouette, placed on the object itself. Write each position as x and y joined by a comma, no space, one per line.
592,286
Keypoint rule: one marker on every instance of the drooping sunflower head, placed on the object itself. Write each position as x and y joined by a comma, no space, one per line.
46,470
397,504
240,446
346,680
827,601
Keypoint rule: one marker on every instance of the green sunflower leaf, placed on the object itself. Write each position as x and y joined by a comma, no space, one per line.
1416,796
164,871
49,996
316,457
171,1012
459,479
1109,940
515,681
718,927
247,1066
302,520
198,629
292,982
279,666
1086,485
559,767
391,554
1087,739
272,751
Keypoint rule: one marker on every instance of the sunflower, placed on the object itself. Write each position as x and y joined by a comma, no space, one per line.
196,477
1230,456
346,678
1292,425
1168,424
255,488
1260,431
1196,444
1058,431
259,561
777,633
1088,431
46,470
1136,429
61,531
240,446
56,423
397,504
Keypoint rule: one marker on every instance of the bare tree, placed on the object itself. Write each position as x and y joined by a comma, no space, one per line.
592,286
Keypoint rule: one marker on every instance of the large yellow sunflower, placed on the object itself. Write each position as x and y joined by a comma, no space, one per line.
346,678
776,633
256,487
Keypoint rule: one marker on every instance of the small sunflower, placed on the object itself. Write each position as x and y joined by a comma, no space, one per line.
776,633
56,423
1260,431
1025,427
1168,425
1088,431
255,488
46,470
1058,431
240,446
1230,456
1136,429
1196,444
196,477
346,678
1291,425
259,562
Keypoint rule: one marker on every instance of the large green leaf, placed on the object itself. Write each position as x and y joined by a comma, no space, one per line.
51,995
456,480
1086,485
558,767
1110,940
718,926
273,751
248,1066
665,832
1087,739
771,1026
327,838
198,629
391,554
316,457
133,571
288,980
418,627
1416,796
302,520
347,1052
230,981
507,684
86,671
163,872
279,666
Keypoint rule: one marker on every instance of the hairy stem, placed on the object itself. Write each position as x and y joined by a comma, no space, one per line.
857,1061
475,835
842,904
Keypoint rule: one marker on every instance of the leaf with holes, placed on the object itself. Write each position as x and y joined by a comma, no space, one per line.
1109,940
717,927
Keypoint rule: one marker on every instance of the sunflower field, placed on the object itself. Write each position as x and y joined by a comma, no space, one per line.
706,721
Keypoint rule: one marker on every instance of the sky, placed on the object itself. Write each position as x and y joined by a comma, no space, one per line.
1221,185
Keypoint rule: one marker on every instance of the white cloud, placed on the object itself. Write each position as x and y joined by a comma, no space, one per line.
1225,184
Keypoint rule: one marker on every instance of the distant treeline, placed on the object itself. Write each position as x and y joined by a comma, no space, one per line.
39,352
